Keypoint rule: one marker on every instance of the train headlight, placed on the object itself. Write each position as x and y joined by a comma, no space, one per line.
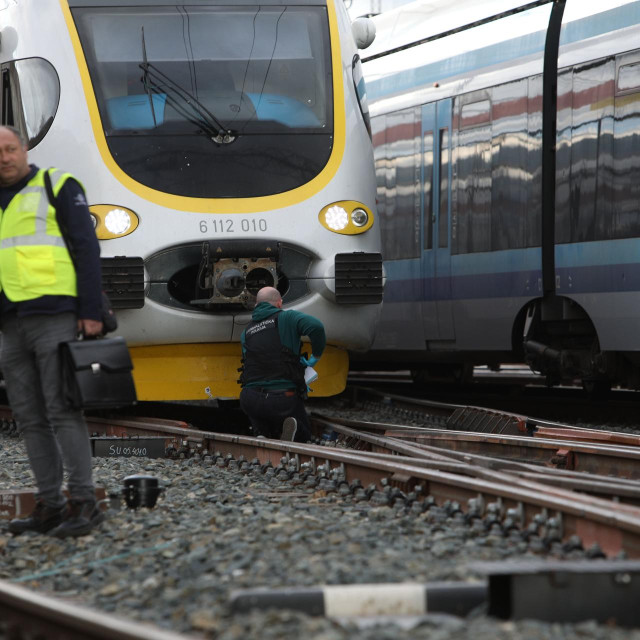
336,218
112,221
346,217
118,221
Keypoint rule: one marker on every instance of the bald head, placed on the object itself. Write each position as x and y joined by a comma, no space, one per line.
270,295
14,132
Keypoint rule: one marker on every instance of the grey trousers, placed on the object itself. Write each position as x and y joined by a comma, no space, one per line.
54,434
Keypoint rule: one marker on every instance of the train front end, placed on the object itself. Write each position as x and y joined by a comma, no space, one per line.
224,147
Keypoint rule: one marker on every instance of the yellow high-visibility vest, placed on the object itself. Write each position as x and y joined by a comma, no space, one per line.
34,260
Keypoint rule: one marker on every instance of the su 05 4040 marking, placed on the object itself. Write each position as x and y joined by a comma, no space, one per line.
228,225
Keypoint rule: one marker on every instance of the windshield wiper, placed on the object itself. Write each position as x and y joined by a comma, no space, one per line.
155,81
145,81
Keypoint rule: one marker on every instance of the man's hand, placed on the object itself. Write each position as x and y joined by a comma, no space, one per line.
89,327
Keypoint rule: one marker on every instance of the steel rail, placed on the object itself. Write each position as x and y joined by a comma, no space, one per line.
490,469
461,417
27,614
603,486
613,526
474,465
586,456
602,459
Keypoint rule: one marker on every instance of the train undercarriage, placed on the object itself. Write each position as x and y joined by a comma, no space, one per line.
560,342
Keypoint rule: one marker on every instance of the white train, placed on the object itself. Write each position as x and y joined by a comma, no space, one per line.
224,146
507,144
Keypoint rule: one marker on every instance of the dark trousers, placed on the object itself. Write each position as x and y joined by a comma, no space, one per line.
54,434
267,411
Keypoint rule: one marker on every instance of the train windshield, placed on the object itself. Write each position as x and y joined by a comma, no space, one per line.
213,101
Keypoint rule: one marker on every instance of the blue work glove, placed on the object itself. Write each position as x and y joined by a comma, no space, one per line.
308,362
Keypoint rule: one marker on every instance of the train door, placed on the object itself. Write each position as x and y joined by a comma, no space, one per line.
437,313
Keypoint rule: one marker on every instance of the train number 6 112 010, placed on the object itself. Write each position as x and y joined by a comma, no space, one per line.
228,225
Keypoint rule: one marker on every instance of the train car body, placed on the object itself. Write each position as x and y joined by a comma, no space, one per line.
507,150
224,146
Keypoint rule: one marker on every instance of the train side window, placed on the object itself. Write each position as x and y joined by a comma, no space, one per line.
400,224
475,114
628,78
361,91
443,215
625,171
30,97
584,200
512,152
473,174
427,189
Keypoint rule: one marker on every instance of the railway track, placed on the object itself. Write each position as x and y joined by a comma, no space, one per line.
559,496
522,393
25,615
398,464
477,430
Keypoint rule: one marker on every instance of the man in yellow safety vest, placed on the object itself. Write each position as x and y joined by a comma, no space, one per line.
46,300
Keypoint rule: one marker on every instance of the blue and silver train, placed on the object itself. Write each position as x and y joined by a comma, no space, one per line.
507,150
224,145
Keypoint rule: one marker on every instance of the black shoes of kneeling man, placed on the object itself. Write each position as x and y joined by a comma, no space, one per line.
76,518
289,428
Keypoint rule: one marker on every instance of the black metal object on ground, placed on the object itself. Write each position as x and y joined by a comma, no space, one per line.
604,591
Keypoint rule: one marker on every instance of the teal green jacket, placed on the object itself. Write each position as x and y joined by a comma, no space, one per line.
291,326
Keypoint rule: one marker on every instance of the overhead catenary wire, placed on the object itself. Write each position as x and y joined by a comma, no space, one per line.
466,27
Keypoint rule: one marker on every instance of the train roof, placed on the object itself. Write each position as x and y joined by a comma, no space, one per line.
494,45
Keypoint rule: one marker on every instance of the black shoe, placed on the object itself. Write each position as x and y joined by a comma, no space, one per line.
41,520
289,428
81,517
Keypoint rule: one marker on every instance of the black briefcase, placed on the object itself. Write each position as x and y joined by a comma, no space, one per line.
97,373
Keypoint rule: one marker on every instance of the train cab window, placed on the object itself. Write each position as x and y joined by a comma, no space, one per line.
211,100
30,97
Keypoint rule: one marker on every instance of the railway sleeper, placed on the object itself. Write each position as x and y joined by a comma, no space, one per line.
404,493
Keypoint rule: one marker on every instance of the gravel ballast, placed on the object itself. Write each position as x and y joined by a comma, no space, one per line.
221,527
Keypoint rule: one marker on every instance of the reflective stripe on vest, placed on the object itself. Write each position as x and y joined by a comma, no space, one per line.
34,260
